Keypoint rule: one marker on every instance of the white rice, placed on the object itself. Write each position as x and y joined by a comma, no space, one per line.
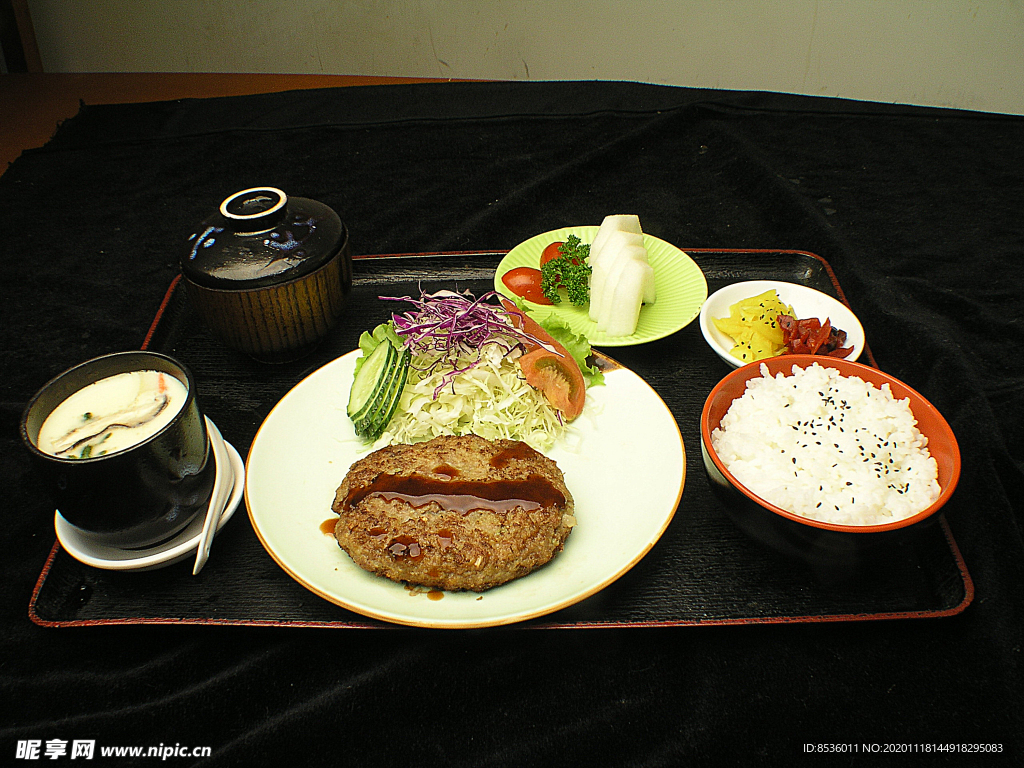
828,447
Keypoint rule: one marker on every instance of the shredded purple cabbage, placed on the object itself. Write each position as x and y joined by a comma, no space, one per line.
452,328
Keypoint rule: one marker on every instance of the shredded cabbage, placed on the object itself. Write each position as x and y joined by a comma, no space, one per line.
490,399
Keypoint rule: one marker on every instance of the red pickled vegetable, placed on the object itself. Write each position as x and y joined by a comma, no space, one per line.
812,337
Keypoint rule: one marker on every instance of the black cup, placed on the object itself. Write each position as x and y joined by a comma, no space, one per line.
138,496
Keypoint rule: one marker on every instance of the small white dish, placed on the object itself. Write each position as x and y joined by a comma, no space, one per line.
806,303
180,547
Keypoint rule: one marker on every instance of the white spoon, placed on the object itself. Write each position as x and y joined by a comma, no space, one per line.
221,489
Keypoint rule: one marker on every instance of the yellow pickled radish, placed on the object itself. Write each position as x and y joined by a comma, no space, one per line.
753,326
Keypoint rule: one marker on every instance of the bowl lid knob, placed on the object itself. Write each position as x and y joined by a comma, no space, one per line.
260,237
254,210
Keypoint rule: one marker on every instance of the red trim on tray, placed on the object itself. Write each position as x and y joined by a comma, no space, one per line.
39,585
825,619
965,576
426,254
160,311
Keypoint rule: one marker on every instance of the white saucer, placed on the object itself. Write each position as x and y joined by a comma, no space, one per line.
174,550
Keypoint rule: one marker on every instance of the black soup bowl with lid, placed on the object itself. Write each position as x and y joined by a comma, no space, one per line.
126,458
269,273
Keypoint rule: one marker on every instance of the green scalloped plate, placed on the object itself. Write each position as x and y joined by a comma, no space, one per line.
679,284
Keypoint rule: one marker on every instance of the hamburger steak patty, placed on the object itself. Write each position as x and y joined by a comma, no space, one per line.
455,512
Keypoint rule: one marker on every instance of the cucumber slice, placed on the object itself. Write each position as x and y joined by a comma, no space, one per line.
368,385
377,421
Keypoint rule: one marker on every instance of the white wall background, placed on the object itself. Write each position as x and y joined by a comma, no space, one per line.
950,53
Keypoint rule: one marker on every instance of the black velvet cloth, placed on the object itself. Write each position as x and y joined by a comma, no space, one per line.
919,212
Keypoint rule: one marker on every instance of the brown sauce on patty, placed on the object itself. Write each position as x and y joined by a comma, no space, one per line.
462,496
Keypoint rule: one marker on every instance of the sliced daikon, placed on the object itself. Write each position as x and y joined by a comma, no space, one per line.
616,222
622,311
649,292
601,263
608,289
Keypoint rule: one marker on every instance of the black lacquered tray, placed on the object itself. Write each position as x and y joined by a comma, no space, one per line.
702,571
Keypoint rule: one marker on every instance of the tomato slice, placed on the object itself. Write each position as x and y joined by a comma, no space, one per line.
554,377
551,252
554,372
525,282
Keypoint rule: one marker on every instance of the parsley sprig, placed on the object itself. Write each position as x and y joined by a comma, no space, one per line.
570,271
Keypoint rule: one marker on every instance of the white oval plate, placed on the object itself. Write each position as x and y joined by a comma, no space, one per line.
175,550
625,473
806,302
679,284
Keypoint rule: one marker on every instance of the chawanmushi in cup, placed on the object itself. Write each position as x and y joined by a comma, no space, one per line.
122,448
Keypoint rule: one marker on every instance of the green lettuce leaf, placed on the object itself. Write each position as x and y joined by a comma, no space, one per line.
370,340
577,346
